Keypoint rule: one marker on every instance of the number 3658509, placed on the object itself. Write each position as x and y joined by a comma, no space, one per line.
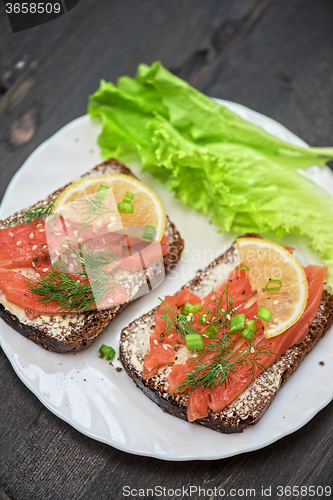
32,8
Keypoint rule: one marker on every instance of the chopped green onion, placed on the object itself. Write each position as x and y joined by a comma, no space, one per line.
248,334
237,324
60,265
269,288
128,197
102,192
204,317
211,331
107,352
190,308
252,325
186,309
242,267
125,208
264,314
194,342
149,233
195,308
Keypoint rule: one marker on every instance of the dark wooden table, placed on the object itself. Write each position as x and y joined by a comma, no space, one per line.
275,56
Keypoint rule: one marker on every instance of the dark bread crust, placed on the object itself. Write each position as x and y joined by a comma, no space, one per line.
242,412
82,334
94,325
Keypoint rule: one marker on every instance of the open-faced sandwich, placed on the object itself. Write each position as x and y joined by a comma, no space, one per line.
217,352
71,263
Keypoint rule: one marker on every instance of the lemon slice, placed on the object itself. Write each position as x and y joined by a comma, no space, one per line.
147,206
271,265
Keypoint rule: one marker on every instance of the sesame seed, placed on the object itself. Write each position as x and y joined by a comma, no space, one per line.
67,224
58,234
38,275
79,240
45,270
11,234
18,243
165,347
44,247
75,232
38,225
103,239
57,253
31,235
34,247
155,342
110,301
171,335
41,230
275,302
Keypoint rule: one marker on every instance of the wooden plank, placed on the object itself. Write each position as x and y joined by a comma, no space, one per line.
281,65
21,50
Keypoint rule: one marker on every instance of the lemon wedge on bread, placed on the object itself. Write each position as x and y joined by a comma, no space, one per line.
147,206
279,280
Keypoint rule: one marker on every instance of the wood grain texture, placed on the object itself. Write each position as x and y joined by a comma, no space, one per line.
281,65
272,55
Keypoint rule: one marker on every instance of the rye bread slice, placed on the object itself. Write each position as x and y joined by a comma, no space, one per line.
77,332
248,407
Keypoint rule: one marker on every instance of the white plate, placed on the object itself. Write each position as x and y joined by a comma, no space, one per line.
91,395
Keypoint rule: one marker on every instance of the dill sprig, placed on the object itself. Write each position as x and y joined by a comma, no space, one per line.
94,284
216,364
221,317
37,213
94,208
174,321
89,258
67,293
218,361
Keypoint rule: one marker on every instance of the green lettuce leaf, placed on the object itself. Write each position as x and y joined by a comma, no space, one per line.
216,162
